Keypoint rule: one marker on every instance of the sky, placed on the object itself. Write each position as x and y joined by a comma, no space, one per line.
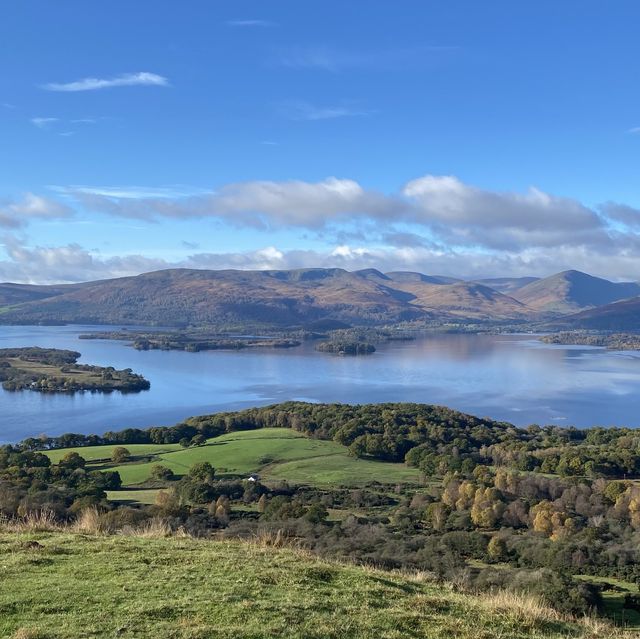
463,138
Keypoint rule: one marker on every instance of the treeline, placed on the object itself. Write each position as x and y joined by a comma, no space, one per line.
29,483
346,348
192,342
50,356
613,341
435,439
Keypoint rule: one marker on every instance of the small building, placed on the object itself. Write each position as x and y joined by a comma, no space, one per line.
253,477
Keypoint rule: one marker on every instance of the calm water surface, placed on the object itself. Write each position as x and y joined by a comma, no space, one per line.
509,377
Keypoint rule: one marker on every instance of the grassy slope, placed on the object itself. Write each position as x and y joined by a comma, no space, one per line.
275,453
85,586
103,453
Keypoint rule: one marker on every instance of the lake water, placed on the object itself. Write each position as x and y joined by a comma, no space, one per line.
509,377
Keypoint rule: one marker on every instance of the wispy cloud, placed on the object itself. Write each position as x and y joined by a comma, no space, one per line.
634,131
43,123
326,58
250,23
50,123
132,192
300,110
7,105
142,78
18,213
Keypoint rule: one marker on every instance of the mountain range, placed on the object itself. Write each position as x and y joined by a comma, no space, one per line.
308,297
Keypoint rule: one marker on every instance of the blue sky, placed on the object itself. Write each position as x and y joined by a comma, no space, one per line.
464,138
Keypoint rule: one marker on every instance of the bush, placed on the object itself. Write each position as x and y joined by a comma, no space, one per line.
120,455
162,473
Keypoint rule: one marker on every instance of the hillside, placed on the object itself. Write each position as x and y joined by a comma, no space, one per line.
20,293
273,298
468,300
619,316
411,277
312,298
507,285
59,585
573,291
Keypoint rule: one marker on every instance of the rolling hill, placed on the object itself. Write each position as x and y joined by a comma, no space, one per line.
19,293
65,585
619,316
573,291
271,298
468,300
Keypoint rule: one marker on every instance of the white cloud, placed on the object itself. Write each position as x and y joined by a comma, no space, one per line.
635,130
304,111
327,58
435,224
20,213
260,204
72,263
443,207
465,214
43,123
142,78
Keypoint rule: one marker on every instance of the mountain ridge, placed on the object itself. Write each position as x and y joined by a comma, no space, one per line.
302,297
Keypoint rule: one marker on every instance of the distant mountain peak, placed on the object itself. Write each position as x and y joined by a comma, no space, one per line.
572,291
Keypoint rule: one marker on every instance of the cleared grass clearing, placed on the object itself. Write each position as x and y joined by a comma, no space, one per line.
274,453
614,600
139,496
343,470
103,453
73,586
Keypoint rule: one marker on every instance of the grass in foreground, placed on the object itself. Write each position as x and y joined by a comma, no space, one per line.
70,585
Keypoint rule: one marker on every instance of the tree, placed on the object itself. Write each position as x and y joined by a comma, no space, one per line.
120,455
316,514
497,549
198,440
487,508
160,472
202,471
73,460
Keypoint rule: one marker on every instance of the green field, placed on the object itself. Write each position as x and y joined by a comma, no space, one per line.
614,600
274,453
134,496
103,453
68,586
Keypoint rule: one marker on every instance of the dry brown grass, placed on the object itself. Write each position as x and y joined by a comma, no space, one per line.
88,522
155,528
530,610
36,521
522,606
